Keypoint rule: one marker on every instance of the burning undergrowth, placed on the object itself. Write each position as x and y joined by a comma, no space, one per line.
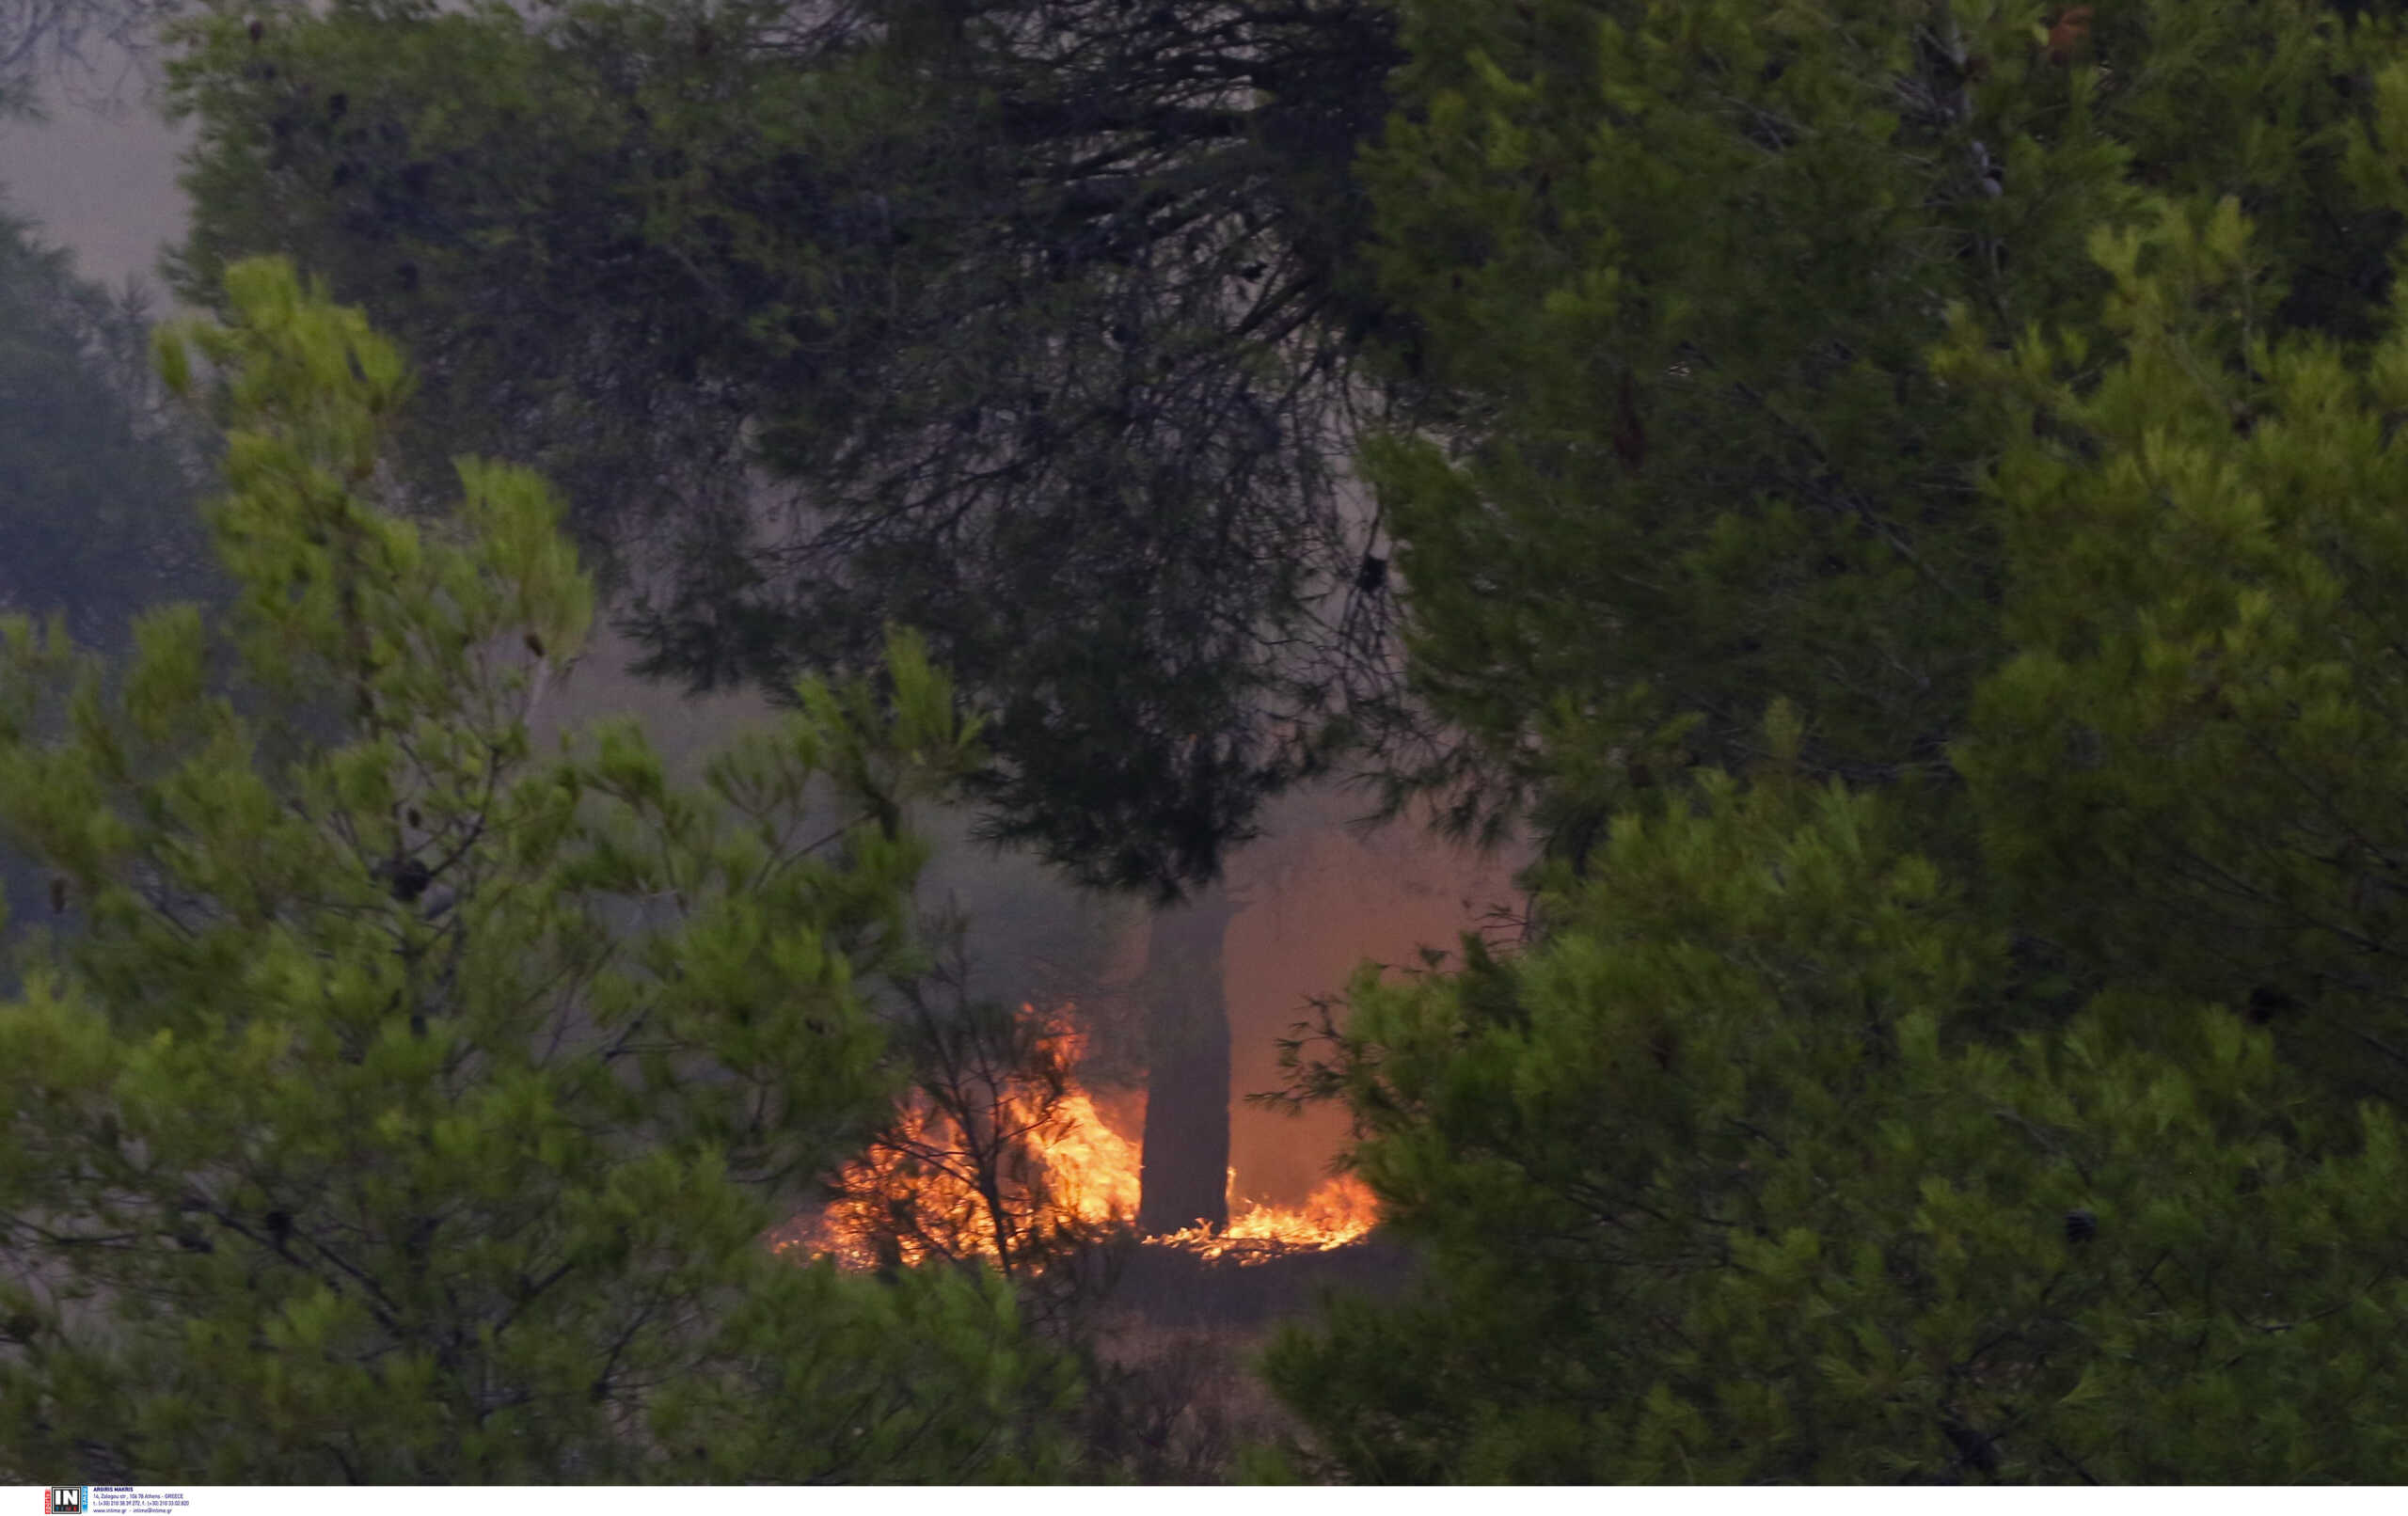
1000,1153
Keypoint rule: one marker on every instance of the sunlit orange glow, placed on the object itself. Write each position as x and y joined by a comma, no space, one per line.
1054,1167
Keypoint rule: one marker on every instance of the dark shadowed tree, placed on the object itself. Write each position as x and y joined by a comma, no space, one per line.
2187,772
1684,271
1032,326
1723,1183
1187,1093
97,482
1770,1160
1028,325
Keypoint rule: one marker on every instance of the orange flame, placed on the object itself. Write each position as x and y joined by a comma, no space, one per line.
1045,1165
1338,1212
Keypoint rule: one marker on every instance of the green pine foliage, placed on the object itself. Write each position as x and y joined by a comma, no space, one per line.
2037,1120
1726,1183
1675,271
409,1106
1901,495
399,149
98,482
2190,770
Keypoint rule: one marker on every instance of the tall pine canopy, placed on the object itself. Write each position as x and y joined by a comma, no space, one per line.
1031,324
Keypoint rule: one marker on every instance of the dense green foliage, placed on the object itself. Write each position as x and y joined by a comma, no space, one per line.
1901,496
1685,264
408,1107
2190,771
1724,1184
2042,1123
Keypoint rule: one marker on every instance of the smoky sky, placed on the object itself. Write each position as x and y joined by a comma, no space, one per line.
100,173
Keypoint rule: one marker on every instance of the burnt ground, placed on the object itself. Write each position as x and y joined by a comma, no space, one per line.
1176,1397
1170,1287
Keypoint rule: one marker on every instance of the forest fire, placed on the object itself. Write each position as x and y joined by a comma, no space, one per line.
1017,1166
1341,1210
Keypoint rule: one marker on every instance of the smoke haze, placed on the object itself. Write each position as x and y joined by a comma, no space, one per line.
99,176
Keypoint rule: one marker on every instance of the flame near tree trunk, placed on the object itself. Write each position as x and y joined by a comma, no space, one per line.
1019,1166
1184,1179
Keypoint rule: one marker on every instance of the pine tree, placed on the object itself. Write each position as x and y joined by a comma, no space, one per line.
1730,1181
2188,772
1022,322
403,1106
2011,1126
1680,270
97,481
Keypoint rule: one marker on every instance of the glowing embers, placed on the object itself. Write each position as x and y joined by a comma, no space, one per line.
1016,1164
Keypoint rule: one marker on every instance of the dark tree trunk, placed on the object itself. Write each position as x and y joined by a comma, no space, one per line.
1185,1176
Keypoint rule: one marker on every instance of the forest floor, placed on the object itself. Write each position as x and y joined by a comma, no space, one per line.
1178,1340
